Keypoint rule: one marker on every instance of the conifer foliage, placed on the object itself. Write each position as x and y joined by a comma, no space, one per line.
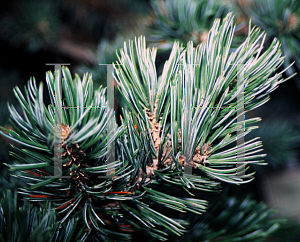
183,21
185,117
279,19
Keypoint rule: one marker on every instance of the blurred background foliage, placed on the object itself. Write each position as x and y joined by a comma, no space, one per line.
86,33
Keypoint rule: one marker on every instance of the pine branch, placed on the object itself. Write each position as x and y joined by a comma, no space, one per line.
172,121
279,19
95,204
202,80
